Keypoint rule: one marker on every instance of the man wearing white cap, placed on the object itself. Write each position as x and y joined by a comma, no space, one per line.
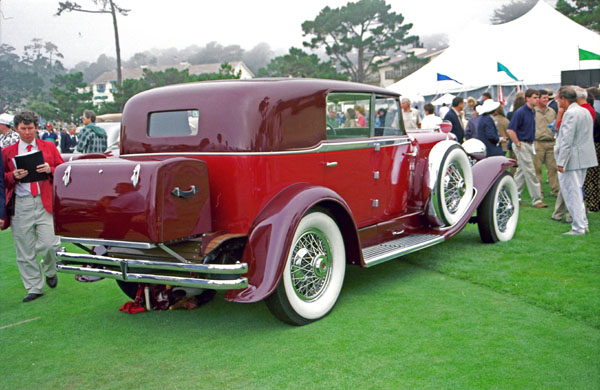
7,135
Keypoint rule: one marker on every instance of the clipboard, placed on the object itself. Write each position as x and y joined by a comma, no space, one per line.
29,162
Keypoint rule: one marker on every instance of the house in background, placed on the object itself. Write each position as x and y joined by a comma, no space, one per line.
397,67
104,84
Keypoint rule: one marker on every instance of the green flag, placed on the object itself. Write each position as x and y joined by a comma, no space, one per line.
588,55
502,68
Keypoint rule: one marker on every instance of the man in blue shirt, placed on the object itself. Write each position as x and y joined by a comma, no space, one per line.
521,131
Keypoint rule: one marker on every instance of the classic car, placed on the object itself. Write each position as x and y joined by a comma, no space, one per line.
265,188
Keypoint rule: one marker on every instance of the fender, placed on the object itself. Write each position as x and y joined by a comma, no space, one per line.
485,174
271,234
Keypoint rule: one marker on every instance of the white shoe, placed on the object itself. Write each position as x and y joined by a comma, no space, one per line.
574,233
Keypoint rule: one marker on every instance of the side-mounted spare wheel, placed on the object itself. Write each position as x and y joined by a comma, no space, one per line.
451,183
498,214
314,272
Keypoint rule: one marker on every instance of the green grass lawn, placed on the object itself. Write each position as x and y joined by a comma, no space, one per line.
461,315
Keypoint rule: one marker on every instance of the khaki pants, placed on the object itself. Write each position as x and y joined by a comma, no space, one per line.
544,154
525,174
33,232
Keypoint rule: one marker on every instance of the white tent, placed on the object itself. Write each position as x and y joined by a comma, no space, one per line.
446,99
535,47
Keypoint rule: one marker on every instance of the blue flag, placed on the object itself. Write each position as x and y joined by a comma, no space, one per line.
502,68
441,77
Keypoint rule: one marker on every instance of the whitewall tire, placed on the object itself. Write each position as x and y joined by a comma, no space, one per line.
498,214
314,272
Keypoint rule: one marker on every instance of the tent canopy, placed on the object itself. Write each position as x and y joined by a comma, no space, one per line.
446,99
533,58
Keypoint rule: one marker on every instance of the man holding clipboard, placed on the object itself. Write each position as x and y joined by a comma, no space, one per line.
29,168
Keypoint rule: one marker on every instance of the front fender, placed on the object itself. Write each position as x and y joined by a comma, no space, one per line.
272,232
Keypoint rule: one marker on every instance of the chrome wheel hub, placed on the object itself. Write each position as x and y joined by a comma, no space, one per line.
310,269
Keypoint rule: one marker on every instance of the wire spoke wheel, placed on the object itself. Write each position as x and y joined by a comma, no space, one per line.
453,190
454,187
314,272
498,214
311,265
504,209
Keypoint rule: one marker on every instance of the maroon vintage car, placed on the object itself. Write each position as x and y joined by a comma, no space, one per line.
269,189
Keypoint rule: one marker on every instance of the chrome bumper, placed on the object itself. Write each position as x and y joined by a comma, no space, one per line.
155,272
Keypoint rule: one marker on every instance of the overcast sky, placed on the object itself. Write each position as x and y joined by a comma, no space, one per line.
180,23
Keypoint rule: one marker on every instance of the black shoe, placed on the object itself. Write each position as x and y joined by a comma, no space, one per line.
31,297
52,282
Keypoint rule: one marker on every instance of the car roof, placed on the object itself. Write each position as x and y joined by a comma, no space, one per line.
257,115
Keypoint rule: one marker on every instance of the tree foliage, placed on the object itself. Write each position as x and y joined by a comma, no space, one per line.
68,98
297,63
103,7
584,12
366,30
151,79
214,53
258,57
511,11
25,78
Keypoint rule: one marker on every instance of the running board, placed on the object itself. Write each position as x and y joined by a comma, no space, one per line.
376,254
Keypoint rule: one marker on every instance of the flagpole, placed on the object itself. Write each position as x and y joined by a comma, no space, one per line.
579,62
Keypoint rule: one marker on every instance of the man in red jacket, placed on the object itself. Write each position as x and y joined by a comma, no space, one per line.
29,207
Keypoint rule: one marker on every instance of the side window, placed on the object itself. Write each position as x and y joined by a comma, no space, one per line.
347,115
173,123
387,116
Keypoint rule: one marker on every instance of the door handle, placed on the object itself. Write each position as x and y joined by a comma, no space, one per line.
184,194
332,164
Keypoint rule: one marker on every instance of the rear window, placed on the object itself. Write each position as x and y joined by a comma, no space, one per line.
173,123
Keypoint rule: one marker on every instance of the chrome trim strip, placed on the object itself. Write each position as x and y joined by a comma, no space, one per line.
323,147
230,284
402,251
229,269
100,241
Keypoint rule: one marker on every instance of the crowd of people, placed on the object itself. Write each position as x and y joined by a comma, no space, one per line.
561,132
26,205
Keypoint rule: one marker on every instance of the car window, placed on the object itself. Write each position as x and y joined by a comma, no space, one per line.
173,123
347,115
387,119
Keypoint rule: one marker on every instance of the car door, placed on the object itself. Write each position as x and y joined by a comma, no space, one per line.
348,153
389,161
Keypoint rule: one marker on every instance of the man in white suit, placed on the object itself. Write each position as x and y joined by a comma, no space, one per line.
574,153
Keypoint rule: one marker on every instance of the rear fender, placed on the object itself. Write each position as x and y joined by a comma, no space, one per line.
271,234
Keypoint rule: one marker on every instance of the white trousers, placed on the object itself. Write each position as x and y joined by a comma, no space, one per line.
525,174
571,183
33,232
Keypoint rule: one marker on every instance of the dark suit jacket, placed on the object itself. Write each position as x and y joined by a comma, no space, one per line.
51,156
487,132
457,127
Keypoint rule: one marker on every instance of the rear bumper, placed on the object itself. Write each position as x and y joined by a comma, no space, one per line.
209,276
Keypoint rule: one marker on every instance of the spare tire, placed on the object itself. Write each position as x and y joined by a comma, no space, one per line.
452,191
